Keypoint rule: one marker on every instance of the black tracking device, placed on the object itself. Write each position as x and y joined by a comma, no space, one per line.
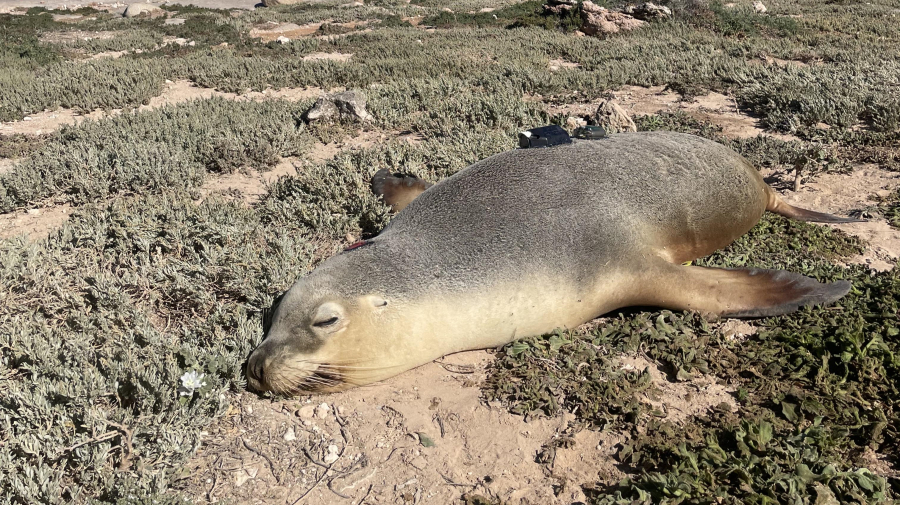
545,136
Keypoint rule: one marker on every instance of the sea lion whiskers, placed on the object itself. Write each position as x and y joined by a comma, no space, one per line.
287,383
320,375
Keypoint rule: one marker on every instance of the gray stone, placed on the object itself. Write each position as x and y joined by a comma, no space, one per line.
648,11
613,118
349,105
138,9
558,6
601,21
324,109
174,21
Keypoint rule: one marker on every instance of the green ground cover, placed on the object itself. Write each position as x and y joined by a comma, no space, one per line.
146,282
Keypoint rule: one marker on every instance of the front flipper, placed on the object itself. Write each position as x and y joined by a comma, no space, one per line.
741,293
398,189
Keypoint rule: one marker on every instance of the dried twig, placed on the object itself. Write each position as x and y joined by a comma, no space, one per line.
266,457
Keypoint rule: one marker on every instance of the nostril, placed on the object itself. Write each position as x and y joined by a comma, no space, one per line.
256,367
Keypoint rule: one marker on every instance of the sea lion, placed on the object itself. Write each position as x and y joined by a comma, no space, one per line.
525,242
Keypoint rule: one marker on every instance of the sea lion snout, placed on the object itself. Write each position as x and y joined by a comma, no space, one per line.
280,369
256,367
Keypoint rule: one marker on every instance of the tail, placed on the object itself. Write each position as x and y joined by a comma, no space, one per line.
778,206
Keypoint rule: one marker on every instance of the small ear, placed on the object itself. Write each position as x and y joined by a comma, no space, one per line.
329,318
269,313
376,301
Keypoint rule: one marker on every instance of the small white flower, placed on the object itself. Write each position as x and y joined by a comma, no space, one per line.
190,382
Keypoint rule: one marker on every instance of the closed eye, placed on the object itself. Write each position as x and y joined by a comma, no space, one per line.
327,322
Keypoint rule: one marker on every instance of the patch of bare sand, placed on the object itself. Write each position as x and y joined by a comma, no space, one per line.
74,36
681,400
271,30
714,107
107,54
173,93
736,330
7,164
423,437
328,56
360,140
249,185
559,63
843,193
881,464
35,224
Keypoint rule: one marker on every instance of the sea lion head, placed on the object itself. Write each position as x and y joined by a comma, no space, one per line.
321,336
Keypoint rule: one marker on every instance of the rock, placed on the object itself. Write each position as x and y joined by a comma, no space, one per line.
648,11
613,118
599,20
282,40
137,9
322,410
331,455
349,105
559,6
575,122
759,7
306,411
174,21
323,109
289,435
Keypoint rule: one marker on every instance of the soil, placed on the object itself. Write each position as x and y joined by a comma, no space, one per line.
174,92
39,223
422,437
33,224
638,101
844,194
271,31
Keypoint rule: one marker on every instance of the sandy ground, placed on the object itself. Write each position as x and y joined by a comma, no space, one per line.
37,223
174,92
423,437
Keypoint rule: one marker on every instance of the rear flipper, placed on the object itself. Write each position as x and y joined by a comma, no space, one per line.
778,206
398,189
741,293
